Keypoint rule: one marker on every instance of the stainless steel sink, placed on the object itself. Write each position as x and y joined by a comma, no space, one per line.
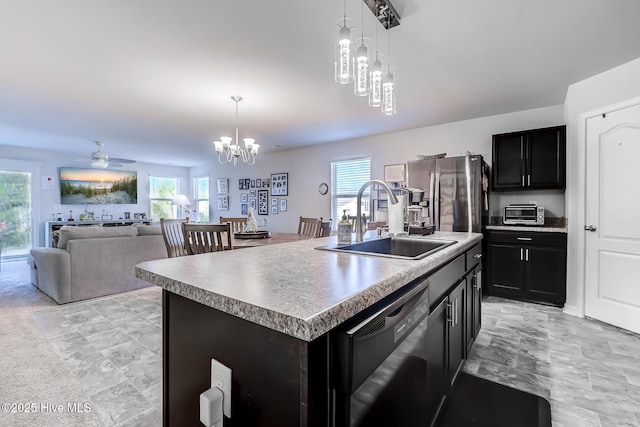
404,248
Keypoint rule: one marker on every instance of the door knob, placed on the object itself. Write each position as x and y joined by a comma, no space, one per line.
590,227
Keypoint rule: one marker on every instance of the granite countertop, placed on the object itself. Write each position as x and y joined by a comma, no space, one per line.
536,229
291,287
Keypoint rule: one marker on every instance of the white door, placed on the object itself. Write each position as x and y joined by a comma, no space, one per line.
613,218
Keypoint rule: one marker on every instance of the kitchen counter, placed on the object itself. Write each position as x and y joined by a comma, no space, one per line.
536,229
293,288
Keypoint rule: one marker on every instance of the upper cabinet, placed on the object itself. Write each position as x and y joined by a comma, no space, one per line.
529,160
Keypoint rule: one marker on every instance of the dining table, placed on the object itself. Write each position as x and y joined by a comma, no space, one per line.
272,238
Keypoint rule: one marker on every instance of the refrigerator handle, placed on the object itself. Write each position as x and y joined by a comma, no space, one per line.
437,202
432,185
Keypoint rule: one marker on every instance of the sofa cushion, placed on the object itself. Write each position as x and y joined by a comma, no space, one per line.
148,230
72,232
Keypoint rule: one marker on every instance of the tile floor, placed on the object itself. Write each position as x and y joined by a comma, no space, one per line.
588,370
113,347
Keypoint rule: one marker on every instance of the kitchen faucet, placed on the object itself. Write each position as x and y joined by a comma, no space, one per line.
392,198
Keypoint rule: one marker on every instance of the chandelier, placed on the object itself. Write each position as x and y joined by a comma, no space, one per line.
353,64
228,151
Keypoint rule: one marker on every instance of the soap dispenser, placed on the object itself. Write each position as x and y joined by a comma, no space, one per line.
344,230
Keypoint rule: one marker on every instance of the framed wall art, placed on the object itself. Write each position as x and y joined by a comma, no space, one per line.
283,205
223,203
280,184
263,203
223,185
244,197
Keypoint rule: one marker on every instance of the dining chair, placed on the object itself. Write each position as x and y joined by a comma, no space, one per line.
173,237
324,228
203,238
308,226
373,225
236,223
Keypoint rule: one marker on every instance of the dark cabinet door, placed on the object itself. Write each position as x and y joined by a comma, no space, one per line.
457,343
545,269
531,159
508,161
506,270
546,158
469,330
437,382
477,303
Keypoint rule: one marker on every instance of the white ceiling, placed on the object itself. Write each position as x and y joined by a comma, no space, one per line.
153,78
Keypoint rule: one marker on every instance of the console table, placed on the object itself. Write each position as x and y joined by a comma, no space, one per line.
51,226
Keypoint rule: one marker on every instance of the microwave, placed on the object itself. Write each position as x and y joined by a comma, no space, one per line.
523,214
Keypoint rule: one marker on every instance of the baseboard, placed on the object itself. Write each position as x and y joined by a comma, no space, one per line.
572,310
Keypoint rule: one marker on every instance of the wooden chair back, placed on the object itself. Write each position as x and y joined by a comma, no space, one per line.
308,226
324,228
173,237
204,238
236,223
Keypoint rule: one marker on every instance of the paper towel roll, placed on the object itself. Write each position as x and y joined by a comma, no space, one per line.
396,217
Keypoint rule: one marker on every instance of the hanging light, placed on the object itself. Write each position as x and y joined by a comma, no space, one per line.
228,151
361,64
343,71
388,84
375,79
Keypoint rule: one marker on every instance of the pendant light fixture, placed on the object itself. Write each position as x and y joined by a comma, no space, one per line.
361,64
388,84
375,79
343,70
228,152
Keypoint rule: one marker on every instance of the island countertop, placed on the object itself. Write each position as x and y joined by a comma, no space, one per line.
291,287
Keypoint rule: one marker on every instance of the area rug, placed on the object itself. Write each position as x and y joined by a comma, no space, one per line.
482,403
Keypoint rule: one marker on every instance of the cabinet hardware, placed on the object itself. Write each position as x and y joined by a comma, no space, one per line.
524,238
521,254
523,180
528,180
455,312
526,254
478,256
450,314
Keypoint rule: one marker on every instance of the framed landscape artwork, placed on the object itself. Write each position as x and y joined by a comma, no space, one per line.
82,186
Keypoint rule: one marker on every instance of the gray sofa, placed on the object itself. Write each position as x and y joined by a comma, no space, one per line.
93,262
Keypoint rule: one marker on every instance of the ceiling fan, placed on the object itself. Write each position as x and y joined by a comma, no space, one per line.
100,159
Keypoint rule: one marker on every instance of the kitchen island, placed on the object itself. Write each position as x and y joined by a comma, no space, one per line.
267,313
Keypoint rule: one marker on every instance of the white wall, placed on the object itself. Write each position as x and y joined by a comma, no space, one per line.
308,167
50,161
596,95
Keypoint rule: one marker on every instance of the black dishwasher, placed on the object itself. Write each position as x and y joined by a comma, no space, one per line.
379,363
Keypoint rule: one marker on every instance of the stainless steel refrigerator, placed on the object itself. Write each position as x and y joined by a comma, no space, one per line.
455,189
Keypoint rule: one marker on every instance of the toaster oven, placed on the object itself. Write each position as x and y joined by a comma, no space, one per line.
523,214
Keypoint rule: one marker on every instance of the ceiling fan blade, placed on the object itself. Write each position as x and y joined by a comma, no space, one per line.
119,160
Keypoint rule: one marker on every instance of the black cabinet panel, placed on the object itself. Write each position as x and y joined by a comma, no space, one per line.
528,266
437,358
546,158
545,270
506,269
531,159
508,157
457,344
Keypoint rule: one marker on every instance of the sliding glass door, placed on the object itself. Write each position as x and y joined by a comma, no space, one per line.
16,223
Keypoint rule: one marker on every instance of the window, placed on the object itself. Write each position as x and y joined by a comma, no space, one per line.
201,198
347,177
161,194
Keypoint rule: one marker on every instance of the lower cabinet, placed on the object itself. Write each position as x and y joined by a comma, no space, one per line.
446,347
530,266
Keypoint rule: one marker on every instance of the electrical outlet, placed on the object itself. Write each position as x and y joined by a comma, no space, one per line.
221,378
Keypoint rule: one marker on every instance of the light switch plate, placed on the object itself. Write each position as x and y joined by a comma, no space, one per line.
221,378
